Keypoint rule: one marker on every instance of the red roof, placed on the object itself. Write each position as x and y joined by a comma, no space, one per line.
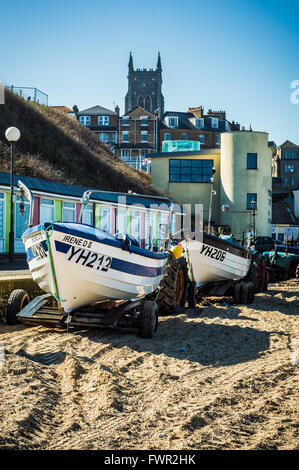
63,109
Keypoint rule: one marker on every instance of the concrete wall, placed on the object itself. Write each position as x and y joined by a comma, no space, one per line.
188,193
237,181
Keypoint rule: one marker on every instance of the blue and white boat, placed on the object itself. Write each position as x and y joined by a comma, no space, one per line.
79,264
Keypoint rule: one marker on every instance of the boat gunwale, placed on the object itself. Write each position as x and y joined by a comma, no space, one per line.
106,241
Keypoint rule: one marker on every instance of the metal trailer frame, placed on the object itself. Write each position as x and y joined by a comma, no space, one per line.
106,314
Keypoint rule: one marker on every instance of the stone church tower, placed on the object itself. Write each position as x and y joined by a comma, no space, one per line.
145,88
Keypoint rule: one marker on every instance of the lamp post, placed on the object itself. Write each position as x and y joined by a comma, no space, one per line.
12,134
213,193
253,207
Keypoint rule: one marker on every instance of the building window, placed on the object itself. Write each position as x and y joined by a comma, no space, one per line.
103,120
105,219
173,121
289,155
104,137
68,212
184,136
144,121
125,121
251,161
125,153
87,215
214,123
167,136
199,123
251,199
190,171
20,219
217,139
202,139
125,136
144,136
85,120
46,211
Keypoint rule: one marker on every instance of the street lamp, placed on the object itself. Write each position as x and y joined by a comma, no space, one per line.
253,207
12,134
213,193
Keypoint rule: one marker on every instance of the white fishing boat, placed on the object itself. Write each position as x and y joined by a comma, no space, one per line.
79,264
214,259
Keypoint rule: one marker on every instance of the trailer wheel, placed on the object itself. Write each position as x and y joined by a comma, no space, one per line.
237,294
17,300
192,294
173,292
148,319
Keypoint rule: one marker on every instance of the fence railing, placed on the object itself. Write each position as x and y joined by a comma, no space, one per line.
29,93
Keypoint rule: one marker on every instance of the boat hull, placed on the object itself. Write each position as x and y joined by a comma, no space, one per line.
89,265
214,259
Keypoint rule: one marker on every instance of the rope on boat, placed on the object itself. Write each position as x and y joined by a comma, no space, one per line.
51,264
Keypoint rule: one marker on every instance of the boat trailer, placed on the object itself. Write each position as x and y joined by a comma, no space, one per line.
138,314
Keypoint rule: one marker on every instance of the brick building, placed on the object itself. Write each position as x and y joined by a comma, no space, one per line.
196,126
137,136
286,165
102,122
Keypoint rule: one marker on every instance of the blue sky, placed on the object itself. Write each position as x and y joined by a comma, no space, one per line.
239,56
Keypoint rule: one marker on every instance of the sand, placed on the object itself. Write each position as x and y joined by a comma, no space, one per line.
220,376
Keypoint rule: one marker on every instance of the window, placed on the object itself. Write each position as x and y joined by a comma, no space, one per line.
144,120
217,139
105,218
85,120
125,121
125,153
214,123
103,120
144,136
202,139
251,198
121,219
104,137
289,155
125,136
190,171
135,225
46,213
227,126
199,123
293,182
173,121
68,212
21,219
167,136
251,161
87,215
113,137
184,136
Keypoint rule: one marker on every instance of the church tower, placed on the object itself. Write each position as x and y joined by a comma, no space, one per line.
145,88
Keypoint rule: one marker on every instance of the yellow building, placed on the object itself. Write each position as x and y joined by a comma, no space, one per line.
242,181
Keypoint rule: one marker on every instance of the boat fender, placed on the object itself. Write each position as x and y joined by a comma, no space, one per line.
177,251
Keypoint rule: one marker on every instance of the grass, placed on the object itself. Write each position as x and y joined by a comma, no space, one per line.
55,147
